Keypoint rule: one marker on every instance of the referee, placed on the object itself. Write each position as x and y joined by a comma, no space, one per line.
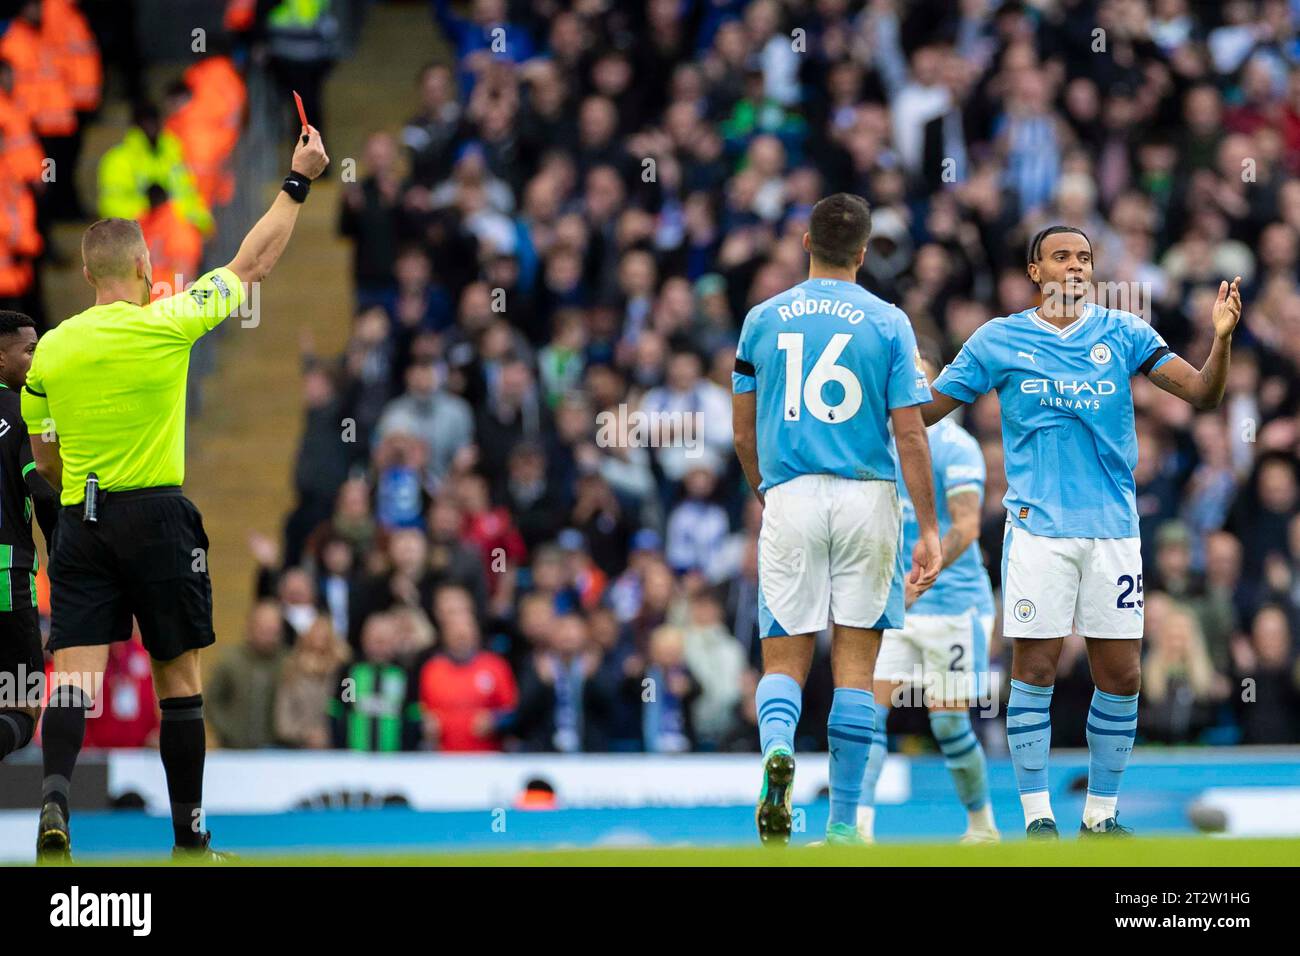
105,405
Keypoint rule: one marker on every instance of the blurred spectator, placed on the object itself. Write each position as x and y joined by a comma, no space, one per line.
1269,706
149,155
241,690
296,593
175,245
454,560
416,637
32,44
697,412
407,581
130,710
206,112
21,152
321,466
307,680
563,706
370,215
492,531
1261,515
1218,610
529,495
429,134
698,525
443,422
714,655
374,705
77,54
467,695
604,530
667,690
302,39
20,244
1179,684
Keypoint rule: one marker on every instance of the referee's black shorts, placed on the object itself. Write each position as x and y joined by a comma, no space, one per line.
147,557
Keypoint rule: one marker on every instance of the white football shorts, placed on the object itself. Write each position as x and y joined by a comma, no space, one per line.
1054,587
830,548
945,654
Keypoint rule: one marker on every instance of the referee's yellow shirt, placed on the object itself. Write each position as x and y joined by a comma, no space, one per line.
110,382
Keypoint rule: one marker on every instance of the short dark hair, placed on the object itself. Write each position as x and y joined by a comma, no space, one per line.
11,322
1036,244
838,229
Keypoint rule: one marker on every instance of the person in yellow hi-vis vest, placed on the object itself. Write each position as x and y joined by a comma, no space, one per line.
106,394
302,43
148,155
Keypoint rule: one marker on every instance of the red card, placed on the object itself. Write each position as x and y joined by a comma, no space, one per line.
302,113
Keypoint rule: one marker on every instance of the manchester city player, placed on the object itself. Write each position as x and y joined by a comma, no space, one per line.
821,371
1071,557
943,649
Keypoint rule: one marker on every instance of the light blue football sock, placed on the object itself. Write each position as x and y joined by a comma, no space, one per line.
1112,725
779,699
849,730
1029,734
875,757
963,755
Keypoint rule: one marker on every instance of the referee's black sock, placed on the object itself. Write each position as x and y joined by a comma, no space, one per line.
16,728
182,741
63,728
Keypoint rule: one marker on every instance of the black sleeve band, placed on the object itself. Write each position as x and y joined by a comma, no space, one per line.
34,392
743,367
297,186
1146,367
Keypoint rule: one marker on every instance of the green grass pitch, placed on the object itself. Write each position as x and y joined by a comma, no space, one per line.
1192,851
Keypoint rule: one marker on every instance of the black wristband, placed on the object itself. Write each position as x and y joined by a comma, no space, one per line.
297,186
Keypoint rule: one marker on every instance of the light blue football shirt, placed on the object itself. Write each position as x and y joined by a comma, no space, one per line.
958,465
1067,415
829,361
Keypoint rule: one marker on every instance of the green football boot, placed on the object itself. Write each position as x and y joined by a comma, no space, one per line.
774,814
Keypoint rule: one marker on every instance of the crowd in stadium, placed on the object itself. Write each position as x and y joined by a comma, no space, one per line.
562,241
568,232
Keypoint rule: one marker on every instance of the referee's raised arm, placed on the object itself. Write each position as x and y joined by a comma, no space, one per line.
266,241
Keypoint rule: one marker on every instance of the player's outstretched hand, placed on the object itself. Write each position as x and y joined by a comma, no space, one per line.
1227,308
927,560
309,158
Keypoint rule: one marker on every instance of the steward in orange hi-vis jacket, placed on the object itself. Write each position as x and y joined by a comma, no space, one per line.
64,26
39,86
20,240
41,90
206,115
22,155
175,245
